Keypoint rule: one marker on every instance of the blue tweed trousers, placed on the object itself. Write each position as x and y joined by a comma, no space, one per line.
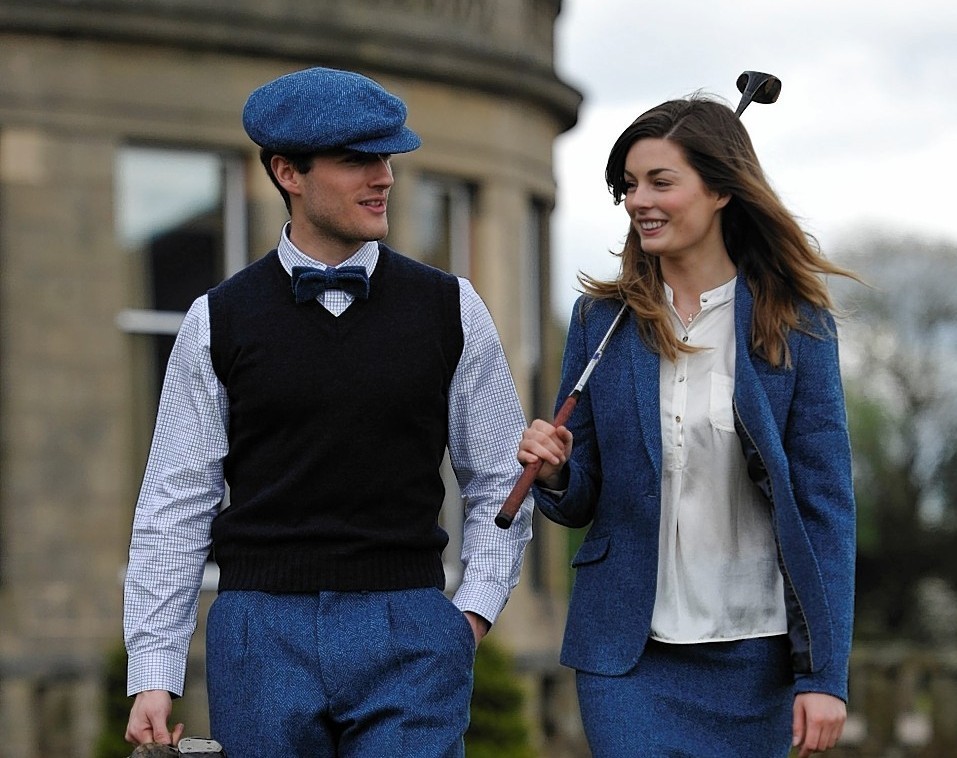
707,700
339,674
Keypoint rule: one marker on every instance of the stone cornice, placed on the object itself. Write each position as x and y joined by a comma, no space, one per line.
496,46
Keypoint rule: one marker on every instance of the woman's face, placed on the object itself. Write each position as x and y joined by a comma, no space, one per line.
671,209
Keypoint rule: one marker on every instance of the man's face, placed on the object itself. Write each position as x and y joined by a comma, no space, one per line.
339,204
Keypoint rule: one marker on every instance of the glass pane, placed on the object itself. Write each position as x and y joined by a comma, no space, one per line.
443,217
536,295
444,223
533,323
433,220
170,221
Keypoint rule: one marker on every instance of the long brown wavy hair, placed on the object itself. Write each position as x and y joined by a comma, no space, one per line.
782,264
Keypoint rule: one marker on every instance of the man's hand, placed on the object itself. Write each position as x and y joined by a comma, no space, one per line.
479,625
818,722
148,719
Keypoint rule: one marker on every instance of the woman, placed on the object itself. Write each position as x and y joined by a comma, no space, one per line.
712,607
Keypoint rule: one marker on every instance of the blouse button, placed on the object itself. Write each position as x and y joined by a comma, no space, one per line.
685,338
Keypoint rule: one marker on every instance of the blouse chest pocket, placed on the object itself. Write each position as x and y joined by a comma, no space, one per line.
719,409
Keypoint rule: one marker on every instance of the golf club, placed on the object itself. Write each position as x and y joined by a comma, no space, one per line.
514,500
754,87
757,87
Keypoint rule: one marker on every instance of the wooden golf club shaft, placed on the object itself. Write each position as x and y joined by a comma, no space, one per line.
516,497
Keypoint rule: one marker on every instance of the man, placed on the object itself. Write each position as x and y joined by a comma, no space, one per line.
323,384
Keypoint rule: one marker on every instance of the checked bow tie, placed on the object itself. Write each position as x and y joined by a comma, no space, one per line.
308,283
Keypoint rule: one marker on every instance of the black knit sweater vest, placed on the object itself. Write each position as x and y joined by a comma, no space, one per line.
337,429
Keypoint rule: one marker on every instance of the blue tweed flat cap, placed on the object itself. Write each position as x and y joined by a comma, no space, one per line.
324,109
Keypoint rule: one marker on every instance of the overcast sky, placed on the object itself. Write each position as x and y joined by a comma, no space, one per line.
864,134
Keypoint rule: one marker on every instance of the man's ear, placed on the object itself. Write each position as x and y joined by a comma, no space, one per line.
285,174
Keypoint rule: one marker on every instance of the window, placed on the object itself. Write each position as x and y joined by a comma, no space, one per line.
443,225
536,314
534,320
181,223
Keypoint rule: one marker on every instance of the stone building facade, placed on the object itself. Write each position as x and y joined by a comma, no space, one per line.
128,187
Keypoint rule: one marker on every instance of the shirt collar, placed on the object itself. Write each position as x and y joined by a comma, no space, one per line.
721,294
366,256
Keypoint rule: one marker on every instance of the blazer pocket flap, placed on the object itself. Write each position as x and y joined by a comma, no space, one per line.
591,550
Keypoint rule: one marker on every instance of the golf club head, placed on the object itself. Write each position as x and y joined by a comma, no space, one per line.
757,87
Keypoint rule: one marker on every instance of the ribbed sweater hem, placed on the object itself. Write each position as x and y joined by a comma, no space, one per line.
284,571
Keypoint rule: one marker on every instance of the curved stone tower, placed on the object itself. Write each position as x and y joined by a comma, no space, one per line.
128,187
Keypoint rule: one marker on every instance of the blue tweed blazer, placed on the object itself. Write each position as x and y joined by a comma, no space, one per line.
793,420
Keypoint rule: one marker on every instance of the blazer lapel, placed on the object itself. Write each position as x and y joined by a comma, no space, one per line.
645,367
748,393
750,397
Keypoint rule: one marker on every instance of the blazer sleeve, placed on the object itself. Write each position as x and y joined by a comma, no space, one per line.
819,454
575,506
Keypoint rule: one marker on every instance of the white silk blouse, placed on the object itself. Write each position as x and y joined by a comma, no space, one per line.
718,576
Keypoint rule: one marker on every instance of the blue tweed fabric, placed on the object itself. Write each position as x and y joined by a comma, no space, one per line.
339,674
796,420
711,700
324,109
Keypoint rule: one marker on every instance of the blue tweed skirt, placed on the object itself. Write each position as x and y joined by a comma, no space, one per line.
707,700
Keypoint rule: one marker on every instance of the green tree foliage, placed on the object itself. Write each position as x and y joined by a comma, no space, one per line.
899,341
498,728
110,743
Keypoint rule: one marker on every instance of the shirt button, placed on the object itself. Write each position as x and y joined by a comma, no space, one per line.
681,378
685,338
678,419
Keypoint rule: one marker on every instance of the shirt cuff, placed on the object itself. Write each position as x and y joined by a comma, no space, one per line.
484,598
557,494
155,671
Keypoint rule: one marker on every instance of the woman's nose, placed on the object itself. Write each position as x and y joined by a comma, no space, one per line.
639,197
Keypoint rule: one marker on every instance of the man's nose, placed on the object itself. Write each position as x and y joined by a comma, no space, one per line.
382,173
